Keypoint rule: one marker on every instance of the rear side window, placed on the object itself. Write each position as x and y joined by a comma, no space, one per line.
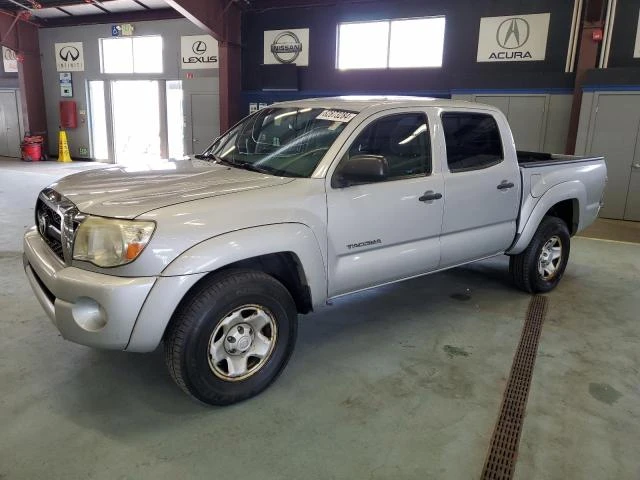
473,141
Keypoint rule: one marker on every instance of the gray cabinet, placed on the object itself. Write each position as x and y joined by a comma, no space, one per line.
540,122
614,131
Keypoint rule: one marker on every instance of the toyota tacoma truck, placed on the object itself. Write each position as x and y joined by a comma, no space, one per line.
299,203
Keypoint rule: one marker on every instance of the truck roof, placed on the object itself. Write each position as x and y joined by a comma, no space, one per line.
358,103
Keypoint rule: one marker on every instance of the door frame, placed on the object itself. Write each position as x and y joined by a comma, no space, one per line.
109,114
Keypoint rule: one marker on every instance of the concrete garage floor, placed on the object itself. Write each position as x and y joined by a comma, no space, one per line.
403,382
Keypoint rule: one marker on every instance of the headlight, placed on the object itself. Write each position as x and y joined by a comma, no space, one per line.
110,242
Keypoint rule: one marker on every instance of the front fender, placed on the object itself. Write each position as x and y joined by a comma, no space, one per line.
540,206
215,253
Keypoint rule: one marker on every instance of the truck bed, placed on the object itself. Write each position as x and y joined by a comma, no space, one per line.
540,159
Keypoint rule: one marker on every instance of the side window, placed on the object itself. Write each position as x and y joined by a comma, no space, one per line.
473,141
402,139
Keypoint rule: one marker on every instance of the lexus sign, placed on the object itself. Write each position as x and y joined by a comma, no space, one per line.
198,52
69,57
517,38
286,46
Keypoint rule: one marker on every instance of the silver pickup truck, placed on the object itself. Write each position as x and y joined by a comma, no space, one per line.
297,204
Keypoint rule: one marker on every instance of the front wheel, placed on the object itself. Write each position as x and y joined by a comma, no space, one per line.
232,337
539,268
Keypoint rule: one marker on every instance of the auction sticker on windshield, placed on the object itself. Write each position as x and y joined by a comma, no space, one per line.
336,116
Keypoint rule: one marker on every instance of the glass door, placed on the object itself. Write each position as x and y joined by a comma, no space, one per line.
136,121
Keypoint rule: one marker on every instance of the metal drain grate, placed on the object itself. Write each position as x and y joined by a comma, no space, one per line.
503,450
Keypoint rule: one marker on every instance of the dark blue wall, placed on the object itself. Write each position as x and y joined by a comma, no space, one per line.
459,71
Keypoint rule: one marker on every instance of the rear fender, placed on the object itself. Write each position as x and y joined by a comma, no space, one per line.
540,207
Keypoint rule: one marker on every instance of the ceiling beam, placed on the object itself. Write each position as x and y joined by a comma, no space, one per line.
113,17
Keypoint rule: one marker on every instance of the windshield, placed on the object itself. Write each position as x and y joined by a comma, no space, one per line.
281,141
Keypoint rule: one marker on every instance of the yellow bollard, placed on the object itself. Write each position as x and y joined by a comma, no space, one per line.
63,148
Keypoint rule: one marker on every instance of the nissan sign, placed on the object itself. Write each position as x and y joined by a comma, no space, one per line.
198,52
514,38
286,46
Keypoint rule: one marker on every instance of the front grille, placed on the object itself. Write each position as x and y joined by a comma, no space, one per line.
47,220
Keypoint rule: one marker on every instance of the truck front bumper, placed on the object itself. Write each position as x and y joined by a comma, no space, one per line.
88,308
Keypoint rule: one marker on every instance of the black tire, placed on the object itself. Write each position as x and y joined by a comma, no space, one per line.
186,343
524,266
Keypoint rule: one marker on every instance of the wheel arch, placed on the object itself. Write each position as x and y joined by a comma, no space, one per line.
288,252
564,201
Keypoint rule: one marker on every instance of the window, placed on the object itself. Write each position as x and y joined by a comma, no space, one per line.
409,43
473,141
402,139
281,141
131,55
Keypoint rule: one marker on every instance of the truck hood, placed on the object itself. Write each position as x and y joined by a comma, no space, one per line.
126,192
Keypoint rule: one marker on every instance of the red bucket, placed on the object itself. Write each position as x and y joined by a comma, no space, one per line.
32,148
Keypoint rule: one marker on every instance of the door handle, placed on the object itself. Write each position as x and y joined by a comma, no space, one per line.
505,185
429,196
636,166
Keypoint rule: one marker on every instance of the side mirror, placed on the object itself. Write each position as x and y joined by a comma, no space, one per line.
361,169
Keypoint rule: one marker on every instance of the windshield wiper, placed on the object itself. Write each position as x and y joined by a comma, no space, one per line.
206,156
244,165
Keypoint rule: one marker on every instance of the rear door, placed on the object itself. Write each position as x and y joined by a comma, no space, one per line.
384,231
482,186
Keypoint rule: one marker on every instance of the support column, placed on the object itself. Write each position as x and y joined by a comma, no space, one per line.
231,84
587,60
587,56
22,37
222,20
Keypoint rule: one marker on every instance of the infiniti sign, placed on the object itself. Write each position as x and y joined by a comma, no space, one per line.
69,57
69,53
9,60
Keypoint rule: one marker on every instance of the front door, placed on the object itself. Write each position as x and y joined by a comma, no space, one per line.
386,230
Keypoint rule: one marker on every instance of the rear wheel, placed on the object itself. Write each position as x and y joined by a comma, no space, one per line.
540,267
232,337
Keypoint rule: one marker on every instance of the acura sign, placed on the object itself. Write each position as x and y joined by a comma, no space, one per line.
198,52
286,46
515,38
69,57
